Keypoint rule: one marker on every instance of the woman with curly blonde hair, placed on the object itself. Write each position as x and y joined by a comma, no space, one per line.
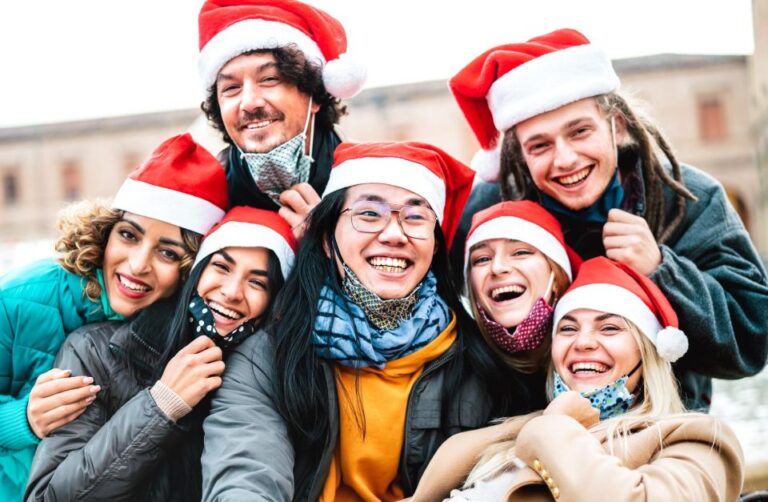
616,428
112,263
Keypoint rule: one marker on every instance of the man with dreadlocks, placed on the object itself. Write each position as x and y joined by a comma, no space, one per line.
573,144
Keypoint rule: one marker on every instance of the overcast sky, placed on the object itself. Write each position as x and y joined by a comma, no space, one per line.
74,59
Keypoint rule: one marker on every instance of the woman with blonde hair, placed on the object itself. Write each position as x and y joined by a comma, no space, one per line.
517,265
112,263
616,428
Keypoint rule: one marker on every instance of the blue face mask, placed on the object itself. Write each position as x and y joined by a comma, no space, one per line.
612,400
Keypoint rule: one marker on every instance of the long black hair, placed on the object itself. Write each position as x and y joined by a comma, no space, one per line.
179,476
300,385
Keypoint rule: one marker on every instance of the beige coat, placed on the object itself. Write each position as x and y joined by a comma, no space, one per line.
687,458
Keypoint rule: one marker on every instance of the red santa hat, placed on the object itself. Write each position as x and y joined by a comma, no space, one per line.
608,286
527,222
229,28
444,182
249,227
511,83
180,183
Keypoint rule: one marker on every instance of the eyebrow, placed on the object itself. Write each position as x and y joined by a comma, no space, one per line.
230,260
162,240
262,67
568,125
605,316
414,201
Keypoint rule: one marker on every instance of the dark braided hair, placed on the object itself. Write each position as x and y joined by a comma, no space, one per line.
643,136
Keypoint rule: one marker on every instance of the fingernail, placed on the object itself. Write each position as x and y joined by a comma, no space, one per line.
90,400
87,380
95,388
62,373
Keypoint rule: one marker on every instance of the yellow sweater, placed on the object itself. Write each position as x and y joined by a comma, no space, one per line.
366,467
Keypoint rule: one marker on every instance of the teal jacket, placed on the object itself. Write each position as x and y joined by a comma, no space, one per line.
39,305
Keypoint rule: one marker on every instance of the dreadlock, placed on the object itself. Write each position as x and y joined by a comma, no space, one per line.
643,136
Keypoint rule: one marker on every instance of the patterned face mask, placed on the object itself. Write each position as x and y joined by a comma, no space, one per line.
527,335
382,314
202,321
612,400
282,167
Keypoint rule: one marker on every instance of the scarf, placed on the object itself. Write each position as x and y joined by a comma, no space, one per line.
201,318
344,334
611,400
383,314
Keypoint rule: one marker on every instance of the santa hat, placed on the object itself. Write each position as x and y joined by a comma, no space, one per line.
181,183
249,227
608,286
511,83
444,182
527,222
229,28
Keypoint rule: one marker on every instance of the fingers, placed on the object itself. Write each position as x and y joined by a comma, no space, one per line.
300,199
52,374
63,411
616,228
64,420
620,216
54,387
210,354
199,344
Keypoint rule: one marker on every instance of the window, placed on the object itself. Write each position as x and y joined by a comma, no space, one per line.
71,180
10,188
712,126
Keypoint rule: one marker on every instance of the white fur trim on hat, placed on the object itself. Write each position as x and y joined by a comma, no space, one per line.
671,343
549,82
487,163
251,35
390,171
248,235
170,206
609,298
511,227
344,77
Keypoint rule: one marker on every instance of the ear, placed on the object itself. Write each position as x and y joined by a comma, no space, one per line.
620,125
315,107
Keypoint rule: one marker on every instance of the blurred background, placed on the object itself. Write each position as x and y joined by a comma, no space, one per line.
90,87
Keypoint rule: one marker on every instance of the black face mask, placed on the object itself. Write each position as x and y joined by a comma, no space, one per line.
203,323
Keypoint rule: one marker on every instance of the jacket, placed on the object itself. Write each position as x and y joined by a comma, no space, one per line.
122,446
683,457
249,454
243,190
39,305
710,272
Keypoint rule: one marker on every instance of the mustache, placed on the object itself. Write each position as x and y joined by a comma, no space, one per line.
260,114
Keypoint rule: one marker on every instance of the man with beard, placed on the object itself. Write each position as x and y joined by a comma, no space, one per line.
275,72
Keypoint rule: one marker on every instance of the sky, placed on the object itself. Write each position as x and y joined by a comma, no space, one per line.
78,59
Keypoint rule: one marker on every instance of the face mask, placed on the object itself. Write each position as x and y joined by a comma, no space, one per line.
282,167
529,334
612,400
203,323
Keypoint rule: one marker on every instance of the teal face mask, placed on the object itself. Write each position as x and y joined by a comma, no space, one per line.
612,400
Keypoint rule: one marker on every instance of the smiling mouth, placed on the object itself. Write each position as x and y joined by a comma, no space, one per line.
133,286
223,311
258,125
507,293
575,178
588,368
389,264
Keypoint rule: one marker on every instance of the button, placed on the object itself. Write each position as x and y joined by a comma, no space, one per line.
544,474
556,492
550,483
537,465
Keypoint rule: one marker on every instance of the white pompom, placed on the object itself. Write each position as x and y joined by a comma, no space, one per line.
486,164
671,344
344,77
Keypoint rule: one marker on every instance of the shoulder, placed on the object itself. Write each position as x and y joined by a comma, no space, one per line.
255,354
92,339
30,280
696,427
701,184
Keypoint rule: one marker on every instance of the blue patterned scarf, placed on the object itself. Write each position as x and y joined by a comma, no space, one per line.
343,334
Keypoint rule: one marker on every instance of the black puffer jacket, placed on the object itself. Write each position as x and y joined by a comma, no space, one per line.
122,447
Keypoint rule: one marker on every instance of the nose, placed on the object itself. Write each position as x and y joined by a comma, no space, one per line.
499,264
232,289
565,155
585,340
140,260
252,97
393,233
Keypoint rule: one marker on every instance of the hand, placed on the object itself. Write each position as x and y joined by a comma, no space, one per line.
297,203
195,370
58,398
628,239
571,403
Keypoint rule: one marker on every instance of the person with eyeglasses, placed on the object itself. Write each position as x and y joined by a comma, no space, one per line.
371,362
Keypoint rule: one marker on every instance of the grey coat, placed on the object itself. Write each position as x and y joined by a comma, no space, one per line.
249,454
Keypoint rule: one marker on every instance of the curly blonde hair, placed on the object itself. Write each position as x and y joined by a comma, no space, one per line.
84,228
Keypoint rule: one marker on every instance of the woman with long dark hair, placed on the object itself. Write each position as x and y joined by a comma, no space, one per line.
141,439
371,361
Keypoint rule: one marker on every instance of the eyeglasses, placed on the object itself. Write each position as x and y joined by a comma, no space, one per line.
371,217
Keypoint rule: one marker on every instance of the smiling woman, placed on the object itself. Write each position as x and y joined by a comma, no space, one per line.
369,337
113,262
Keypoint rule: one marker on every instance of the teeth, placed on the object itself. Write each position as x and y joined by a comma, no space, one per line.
574,178
258,125
132,285
588,367
221,309
514,289
389,264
